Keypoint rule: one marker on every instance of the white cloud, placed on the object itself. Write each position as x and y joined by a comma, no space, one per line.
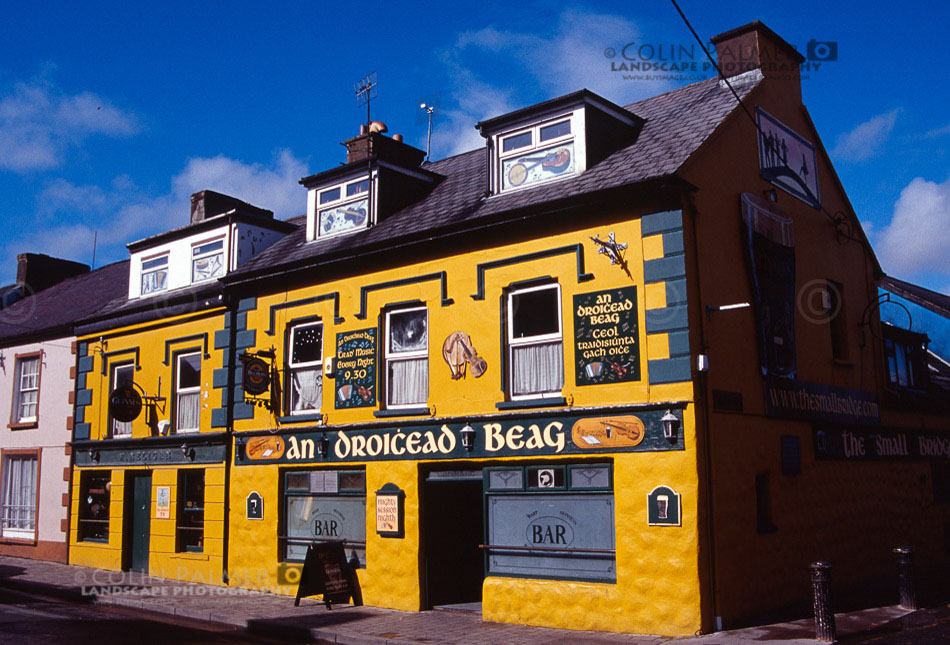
918,236
122,212
39,123
567,58
867,139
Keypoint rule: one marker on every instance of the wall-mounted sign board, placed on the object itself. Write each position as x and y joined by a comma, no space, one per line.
606,337
255,506
162,502
356,369
664,508
390,511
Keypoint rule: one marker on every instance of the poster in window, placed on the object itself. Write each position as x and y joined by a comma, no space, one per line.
356,369
606,337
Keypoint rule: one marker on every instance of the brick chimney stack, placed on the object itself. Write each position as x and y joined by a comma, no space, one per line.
755,46
207,204
379,146
40,272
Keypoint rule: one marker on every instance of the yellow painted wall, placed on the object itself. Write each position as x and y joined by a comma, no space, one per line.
155,377
658,581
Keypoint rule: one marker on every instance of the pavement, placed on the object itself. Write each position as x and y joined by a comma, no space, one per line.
275,616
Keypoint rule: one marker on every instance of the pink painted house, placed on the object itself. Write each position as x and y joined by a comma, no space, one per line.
37,389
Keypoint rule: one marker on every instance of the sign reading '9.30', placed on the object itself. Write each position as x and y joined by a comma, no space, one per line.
606,337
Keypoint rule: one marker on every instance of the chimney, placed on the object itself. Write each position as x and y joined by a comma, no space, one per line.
207,204
40,272
755,46
373,144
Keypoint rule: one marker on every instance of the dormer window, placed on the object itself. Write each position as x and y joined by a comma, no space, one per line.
207,260
344,207
540,153
154,275
555,140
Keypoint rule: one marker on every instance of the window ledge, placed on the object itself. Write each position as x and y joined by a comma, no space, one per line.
403,412
25,425
186,555
297,418
18,541
532,403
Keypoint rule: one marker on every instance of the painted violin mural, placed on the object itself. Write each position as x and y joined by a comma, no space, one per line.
534,168
343,218
457,350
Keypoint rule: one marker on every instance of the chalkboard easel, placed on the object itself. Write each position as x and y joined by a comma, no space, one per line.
326,571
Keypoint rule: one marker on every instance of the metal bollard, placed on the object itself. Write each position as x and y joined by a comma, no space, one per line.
821,592
905,577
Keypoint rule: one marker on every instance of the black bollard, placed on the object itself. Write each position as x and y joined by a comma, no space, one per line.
821,591
905,577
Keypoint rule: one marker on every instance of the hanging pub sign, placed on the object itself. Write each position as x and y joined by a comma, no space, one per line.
770,259
256,375
786,159
125,404
356,369
606,337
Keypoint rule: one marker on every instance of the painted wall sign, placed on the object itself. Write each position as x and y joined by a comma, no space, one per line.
786,159
770,259
255,506
125,404
101,453
390,511
888,444
458,351
640,432
162,502
663,507
791,399
606,337
356,369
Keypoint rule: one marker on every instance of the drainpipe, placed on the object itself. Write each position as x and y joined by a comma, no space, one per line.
703,402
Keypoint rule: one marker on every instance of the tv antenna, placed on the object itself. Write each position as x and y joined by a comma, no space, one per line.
365,90
429,109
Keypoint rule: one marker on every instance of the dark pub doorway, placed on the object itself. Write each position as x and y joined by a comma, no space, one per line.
138,510
453,528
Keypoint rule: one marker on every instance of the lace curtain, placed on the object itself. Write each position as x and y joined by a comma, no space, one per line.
188,407
536,369
307,392
409,381
19,494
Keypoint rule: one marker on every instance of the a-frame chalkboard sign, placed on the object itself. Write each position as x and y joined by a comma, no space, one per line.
326,571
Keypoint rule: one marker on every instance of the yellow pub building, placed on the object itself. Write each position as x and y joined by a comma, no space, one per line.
601,373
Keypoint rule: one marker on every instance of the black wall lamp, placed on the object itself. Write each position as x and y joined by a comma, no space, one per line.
188,453
323,445
468,437
670,426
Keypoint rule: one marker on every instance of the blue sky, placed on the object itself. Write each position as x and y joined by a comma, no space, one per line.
111,114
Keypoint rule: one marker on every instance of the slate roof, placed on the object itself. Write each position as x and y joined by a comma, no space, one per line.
52,312
677,123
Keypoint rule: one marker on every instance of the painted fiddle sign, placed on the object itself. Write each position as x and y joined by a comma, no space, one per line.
457,350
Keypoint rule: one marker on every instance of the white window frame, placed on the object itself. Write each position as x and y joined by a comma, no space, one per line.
574,135
542,339
304,365
19,390
343,200
6,484
179,391
147,272
392,356
207,254
112,422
